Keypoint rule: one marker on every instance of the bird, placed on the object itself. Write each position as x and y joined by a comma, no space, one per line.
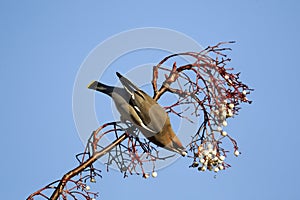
137,107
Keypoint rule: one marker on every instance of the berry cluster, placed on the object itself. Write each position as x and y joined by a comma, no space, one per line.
208,158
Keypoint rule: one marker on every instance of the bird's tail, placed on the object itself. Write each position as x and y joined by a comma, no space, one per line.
100,87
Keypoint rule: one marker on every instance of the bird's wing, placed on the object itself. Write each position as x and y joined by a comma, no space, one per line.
150,115
128,111
128,85
137,120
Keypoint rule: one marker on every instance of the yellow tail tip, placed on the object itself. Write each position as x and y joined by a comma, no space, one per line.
92,85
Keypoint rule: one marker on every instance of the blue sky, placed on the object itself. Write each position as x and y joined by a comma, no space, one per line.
43,44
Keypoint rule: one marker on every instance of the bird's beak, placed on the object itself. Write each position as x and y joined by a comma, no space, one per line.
183,153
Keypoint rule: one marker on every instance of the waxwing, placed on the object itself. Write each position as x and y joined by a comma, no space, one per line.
137,107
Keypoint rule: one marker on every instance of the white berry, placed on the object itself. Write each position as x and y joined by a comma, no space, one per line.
236,153
224,133
222,158
154,174
230,114
216,169
214,152
224,123
146,175
224,114
93,180
219,128
221,167
209,156
244,92
226,76
87,187
202,160
231,105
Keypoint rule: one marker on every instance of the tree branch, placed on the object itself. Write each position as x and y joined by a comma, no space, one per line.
59,189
